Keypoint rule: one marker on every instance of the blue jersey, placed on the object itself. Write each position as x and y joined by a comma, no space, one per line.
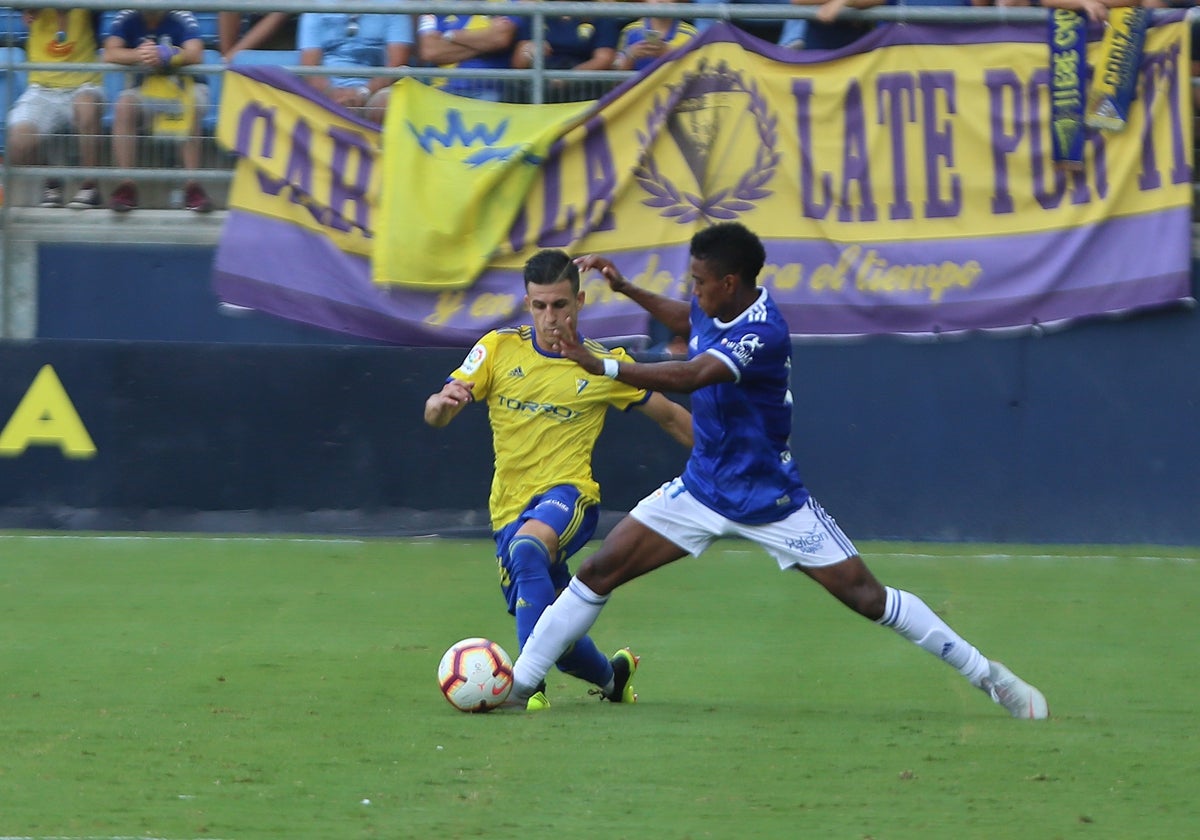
171,29
741,465
498,60
572,40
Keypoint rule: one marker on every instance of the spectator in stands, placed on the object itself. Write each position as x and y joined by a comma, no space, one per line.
954,3
572,43
1096,10
468,41
57,100
355,42
645,40
157,44
793,34
826,32
270,31
768,29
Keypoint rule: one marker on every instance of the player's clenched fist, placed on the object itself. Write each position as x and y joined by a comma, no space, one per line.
441,407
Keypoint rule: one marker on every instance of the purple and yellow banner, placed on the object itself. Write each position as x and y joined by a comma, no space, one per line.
907,186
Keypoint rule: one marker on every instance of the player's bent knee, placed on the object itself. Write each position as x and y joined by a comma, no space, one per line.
599,573
871,603
852,583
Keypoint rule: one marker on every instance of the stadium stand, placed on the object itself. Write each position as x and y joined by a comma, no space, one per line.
106,19
277,58
13,31
208,30
115,81
12,83
209,122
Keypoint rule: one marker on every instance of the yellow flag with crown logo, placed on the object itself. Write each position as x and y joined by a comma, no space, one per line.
455,173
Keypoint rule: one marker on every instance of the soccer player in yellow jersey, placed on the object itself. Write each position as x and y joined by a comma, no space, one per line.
56,100
545,418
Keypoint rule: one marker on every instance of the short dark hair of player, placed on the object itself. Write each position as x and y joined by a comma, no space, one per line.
731,248
545,268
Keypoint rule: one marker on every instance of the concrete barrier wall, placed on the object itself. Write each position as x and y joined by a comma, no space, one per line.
116,435
1084,435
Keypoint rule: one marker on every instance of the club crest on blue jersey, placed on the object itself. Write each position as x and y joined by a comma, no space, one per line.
744,348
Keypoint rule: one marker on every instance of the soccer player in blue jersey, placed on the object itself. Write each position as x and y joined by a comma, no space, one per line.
741,479
546,415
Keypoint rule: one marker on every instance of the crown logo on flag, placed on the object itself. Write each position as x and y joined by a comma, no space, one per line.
705,115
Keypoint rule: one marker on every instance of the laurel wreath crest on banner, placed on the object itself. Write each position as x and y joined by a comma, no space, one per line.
725,204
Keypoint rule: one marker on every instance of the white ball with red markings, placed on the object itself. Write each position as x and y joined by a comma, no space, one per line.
475,675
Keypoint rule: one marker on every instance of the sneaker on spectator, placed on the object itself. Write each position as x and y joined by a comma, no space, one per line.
196,199
87,198
52,193
124,198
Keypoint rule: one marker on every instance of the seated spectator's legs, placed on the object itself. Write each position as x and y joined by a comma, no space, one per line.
88,106
33,115
41,112
191,145
124,148
124,130
25,147
129,114
194,196
376,108
24,143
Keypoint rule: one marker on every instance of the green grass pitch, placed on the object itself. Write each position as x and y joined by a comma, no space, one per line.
178,687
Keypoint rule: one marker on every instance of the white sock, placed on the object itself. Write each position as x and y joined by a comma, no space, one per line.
911,617
564,622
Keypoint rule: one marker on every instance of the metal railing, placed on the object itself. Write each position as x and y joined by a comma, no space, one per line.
158,158
157,163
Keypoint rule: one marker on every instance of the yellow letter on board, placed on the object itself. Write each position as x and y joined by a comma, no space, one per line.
46,417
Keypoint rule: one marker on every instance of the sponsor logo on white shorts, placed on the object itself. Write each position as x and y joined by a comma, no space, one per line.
811,542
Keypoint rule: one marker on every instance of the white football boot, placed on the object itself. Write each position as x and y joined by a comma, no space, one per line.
1020,698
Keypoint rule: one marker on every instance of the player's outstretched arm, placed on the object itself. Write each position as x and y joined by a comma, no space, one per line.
444,406
674,418
671,313
680,377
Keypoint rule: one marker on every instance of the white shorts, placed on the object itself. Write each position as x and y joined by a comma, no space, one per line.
809,537
50,109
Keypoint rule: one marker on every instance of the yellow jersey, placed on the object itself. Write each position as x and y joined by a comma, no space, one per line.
546,413
76,44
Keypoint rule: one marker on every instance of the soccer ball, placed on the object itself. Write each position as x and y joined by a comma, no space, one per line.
475,675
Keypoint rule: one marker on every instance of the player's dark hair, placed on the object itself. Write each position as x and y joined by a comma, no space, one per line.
551,266
731,248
